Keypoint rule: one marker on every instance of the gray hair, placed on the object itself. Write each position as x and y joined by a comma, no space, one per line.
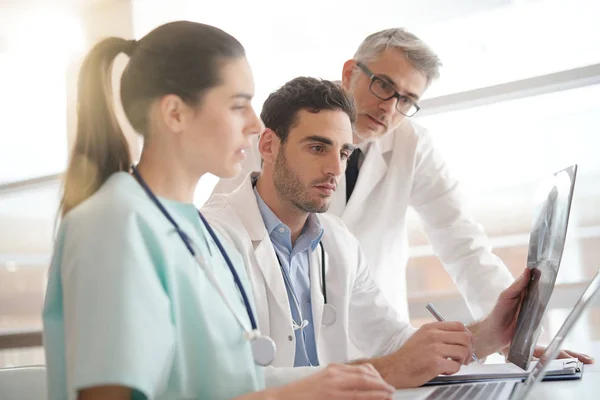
419,54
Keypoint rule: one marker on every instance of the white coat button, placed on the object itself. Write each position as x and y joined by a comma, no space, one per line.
290,338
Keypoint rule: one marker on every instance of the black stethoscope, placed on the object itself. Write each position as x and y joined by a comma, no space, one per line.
329,313
263,347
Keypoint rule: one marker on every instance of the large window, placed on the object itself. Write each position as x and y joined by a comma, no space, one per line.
33,151
517,101
33,142
502,152
27,225
33,66
518,40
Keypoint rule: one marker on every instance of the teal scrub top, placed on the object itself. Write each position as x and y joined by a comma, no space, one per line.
128,305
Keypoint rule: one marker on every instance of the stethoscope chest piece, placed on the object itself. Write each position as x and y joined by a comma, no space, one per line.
263,350
329,315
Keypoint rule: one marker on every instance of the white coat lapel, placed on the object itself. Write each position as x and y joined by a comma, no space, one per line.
267,261
372,170
244,202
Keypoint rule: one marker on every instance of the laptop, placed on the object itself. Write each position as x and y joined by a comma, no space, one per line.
509,389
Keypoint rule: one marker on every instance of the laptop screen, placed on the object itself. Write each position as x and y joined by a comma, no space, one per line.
546,243
553,348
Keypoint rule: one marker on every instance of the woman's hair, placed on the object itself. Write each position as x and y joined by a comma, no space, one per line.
181,58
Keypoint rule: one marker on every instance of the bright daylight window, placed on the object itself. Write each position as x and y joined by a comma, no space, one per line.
33,145
33,140
501,150
522,39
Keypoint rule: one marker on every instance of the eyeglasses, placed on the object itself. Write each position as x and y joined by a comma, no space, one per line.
383,90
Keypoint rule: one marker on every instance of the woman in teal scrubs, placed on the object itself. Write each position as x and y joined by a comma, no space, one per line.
144,300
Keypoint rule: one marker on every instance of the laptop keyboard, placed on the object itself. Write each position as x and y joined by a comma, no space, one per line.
471,391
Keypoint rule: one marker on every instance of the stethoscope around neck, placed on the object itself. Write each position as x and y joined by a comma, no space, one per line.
329,313
263,347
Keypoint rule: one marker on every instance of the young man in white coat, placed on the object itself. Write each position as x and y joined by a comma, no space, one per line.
313,291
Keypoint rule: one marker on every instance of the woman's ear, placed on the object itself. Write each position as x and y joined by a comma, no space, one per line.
174,112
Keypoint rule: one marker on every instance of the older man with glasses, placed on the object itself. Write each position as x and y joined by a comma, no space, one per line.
396,166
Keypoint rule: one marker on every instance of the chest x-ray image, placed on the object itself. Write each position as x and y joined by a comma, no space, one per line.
546,244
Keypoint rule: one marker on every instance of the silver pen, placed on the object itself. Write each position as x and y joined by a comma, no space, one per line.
439,317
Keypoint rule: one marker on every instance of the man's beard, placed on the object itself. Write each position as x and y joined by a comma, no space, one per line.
290,188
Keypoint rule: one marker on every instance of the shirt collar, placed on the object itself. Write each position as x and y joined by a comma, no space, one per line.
271,220
313,230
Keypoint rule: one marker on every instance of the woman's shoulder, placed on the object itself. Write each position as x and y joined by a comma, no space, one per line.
111,227
119,199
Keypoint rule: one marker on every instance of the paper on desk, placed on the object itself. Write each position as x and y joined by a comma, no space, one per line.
475,371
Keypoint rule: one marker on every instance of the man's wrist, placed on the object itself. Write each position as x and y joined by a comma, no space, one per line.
386,366
484,339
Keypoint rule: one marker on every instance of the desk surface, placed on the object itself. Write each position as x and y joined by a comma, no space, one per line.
587,388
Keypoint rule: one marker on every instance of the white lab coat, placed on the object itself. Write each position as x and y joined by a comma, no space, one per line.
363,314
404,169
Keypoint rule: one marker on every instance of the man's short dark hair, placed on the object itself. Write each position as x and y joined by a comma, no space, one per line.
280,110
